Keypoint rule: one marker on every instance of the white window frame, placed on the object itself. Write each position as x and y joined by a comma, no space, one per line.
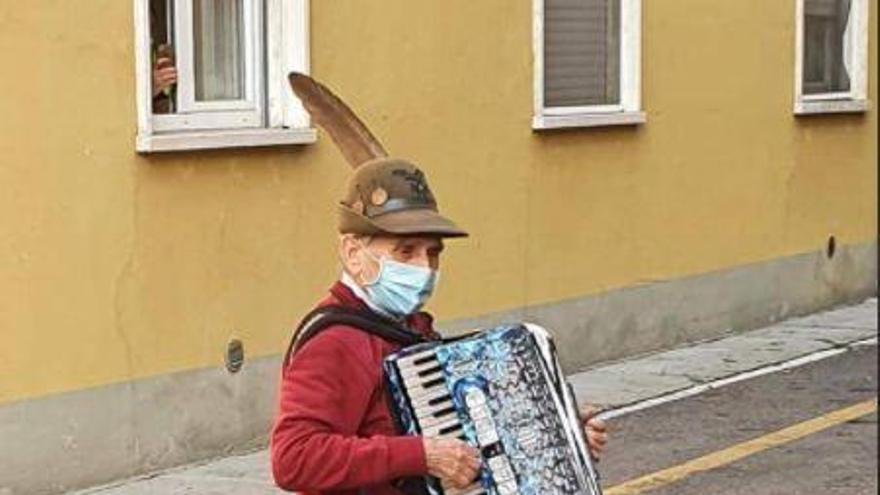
628,112
856,48
269,115
202,116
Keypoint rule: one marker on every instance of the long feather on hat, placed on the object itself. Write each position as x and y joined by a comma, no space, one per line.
354,140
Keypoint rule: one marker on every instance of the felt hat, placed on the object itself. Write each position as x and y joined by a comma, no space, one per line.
385,195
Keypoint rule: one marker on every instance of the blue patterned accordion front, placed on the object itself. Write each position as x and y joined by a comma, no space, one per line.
501,390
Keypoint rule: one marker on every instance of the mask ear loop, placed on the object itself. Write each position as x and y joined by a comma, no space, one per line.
379,261
357,238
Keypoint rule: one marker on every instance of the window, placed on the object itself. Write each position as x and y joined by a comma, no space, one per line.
587,63
212,73
832,56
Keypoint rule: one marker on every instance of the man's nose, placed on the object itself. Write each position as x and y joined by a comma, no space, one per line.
423,260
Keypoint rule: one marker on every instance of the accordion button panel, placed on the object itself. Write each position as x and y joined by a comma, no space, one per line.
478,410
475,398
508,488
501,470
486,432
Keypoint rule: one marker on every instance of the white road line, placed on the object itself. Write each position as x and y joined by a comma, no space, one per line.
765,370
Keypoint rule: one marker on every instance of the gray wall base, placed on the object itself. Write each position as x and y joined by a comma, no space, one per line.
665,313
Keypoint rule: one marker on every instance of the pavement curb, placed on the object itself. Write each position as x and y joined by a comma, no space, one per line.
747,375
691,369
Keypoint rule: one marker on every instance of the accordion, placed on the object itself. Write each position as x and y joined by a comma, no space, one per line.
501,390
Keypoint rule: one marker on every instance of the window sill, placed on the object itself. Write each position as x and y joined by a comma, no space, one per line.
229,138
544,122
831,106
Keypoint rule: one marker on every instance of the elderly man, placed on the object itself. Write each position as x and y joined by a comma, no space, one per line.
334,433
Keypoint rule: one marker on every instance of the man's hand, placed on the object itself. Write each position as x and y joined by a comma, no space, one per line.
595,430
453,461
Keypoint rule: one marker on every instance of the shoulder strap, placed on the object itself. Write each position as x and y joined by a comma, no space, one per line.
363,320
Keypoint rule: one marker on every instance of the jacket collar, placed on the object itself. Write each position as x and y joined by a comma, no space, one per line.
346,292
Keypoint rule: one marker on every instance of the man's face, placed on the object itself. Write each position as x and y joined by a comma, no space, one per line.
361,254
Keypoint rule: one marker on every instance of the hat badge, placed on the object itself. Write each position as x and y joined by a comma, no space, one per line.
379,196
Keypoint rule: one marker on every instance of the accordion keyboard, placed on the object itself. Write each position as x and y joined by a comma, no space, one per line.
503,393
432,404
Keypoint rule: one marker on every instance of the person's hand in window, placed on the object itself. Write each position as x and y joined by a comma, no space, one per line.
164,72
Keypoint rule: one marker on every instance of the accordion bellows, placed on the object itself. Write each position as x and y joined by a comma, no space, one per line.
501,390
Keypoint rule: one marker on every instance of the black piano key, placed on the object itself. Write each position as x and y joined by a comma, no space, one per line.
430,371
438,400
444,412
434,382
425,359
450,429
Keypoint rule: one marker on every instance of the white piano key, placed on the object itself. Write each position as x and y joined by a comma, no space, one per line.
415,377
417,391
474,489
422,400
434,431
420,370
416,380
429,420
408,361
436,407
436,424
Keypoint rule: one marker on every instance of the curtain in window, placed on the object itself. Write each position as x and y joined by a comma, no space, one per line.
218,27
581,52
825,48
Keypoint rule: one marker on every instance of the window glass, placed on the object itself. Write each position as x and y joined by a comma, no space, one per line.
218,48
825,28
581,52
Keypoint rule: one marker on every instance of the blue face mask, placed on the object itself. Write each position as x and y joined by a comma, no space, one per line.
400,289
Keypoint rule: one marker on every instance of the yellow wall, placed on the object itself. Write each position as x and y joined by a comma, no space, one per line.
117,266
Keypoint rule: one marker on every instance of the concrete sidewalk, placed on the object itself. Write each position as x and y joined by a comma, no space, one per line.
621,387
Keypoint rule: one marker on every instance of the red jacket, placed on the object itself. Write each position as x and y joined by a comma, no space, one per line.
333,433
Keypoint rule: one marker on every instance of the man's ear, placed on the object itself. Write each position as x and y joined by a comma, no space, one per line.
349,247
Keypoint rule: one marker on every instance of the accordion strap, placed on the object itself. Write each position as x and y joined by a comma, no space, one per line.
364,320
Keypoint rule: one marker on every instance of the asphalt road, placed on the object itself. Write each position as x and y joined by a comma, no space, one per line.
839,460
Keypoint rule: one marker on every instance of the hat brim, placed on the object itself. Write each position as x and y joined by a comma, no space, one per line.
422,221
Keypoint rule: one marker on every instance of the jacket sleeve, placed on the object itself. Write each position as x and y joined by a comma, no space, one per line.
326,390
